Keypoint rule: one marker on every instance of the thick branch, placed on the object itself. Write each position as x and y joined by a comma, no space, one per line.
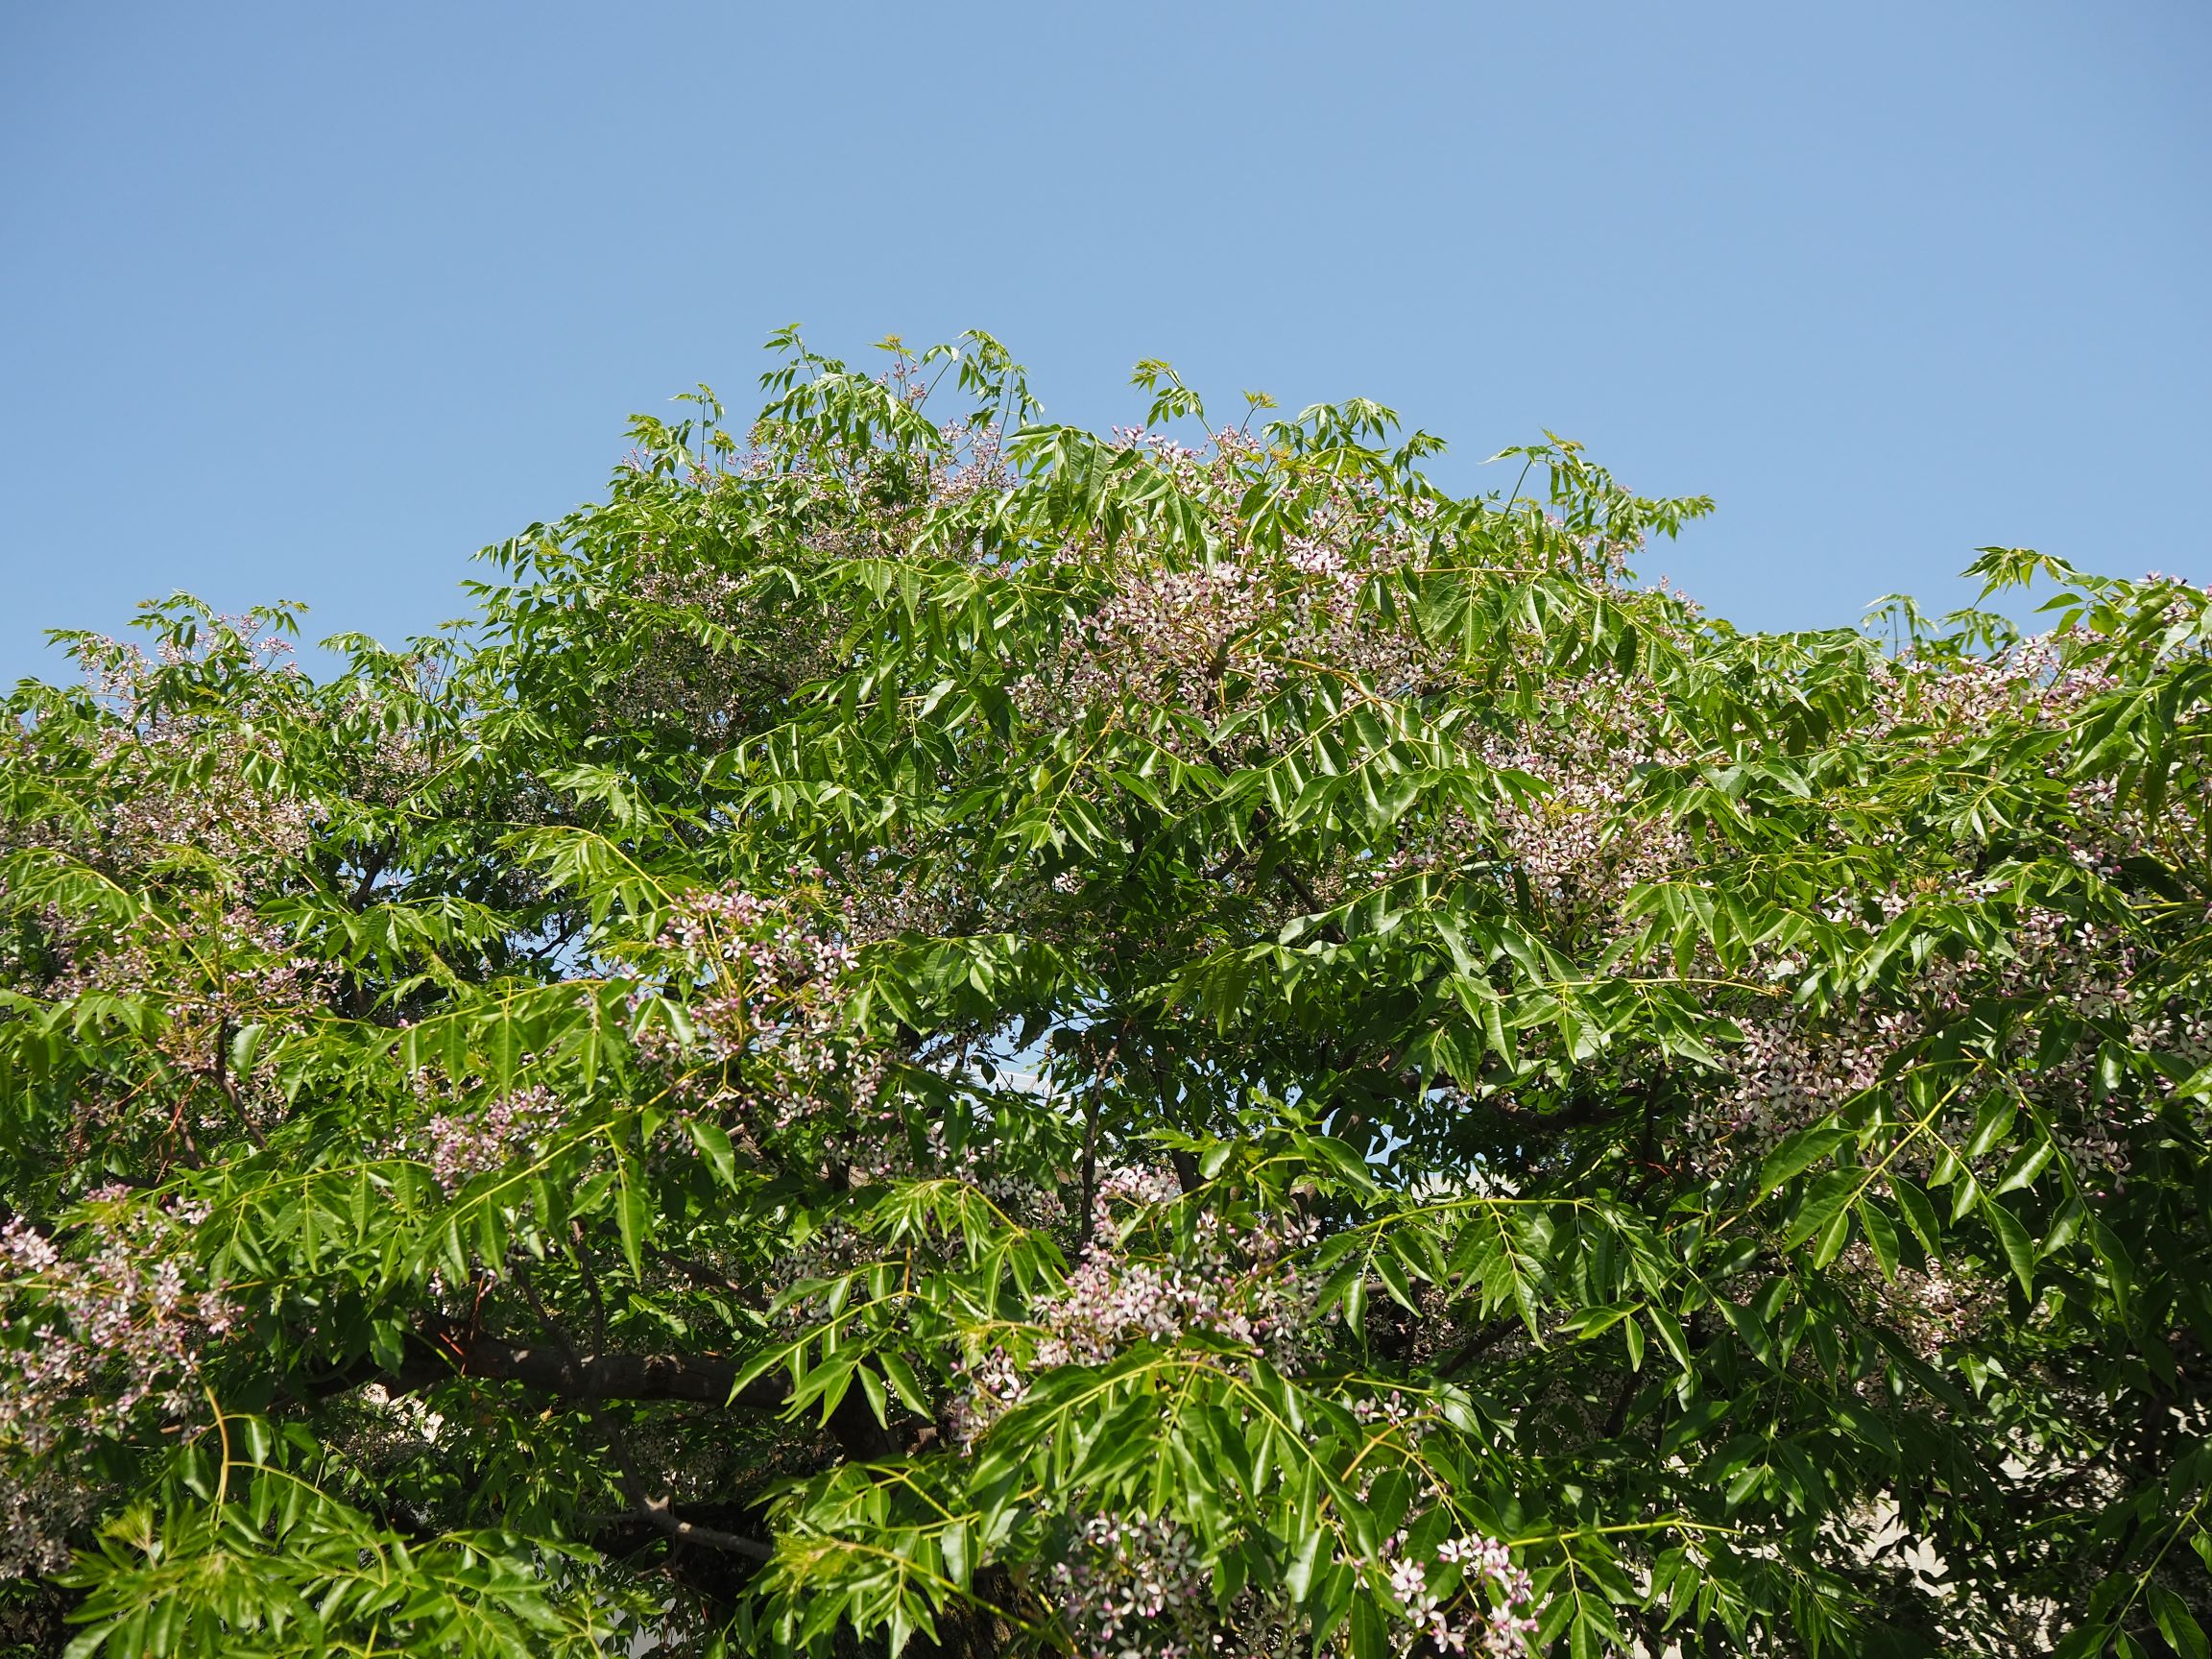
702,1377
453,1351
658,1510
660,1514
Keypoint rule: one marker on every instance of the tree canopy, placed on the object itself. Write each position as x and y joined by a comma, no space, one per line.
936,1032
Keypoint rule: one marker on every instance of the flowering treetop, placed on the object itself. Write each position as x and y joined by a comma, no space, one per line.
941,1031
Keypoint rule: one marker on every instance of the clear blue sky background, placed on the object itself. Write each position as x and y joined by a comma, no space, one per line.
311,300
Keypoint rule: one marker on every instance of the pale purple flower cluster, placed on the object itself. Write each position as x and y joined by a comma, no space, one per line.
1788,1073
212,972
1242,1287
994,1385
770,989
41,1504
1499,1622
1131,1587
1581,843
462,1145
1314,558
123,1316
89,1337
1391,1406
1217,634
1943,699
224,813
1137,1587
1791,1071
1141,1186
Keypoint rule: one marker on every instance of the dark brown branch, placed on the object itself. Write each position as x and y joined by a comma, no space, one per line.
705,1378
371,867
591,1284
660,1514
1187,1172
585,1380
451,1350
658,1510
1496,1331
1578,1113
1092,1104
707,1278
228,1085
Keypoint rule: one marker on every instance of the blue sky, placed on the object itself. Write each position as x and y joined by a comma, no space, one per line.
310,301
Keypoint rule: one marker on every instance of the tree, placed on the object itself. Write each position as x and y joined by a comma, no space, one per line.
937,1032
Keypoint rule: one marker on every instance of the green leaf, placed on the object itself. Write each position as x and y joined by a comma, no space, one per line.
1833,1237
1691,1424
714,1147
2026,1166
1671,1338
872,1386
1370,1635
2019,1248
1298,1575
1918,1212
633,1219
905,1382
1799,1152
2177,1624
1880,1237
1992,1125
1824,1201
